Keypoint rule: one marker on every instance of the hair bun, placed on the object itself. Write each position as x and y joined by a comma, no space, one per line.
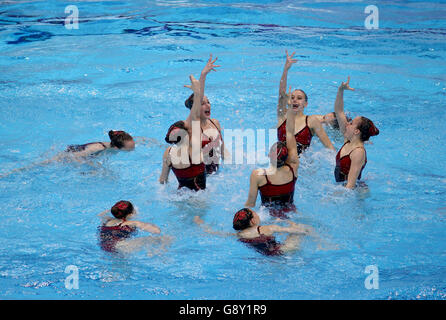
282,153
121,209
121,205
373,130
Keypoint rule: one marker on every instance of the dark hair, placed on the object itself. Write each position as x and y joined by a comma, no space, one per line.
305,95
177,125
122,209
189,101
242,219
118,138
281,153
367,129
335,123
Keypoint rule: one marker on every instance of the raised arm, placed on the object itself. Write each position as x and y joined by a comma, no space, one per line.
195,120
283,98
210,66
293,158
339,105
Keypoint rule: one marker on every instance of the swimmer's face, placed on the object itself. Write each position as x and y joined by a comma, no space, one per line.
329,118
298,100
205,108
255,219
129,145
351,128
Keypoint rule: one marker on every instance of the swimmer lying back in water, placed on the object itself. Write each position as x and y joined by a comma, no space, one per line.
119,140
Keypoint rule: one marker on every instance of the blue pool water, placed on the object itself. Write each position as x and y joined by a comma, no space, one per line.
125,67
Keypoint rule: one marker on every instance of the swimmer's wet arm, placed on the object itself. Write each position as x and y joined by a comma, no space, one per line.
206,228
301,228
339,105
210,66
357,161
293,228
283,97
145,226
318,129
166,167
194,114
253,189
103,213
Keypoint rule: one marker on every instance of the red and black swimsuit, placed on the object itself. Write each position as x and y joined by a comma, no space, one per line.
110,235
207,146
266,245
343,165
278,197
82,147
192,177
303,137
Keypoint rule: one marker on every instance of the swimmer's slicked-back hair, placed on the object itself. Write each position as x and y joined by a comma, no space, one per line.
335,121
242,219
177,125
118,138
122,209
367,128
281,153
189,101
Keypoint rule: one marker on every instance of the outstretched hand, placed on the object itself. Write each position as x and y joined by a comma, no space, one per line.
195,84
346,85
210,65
289,60
301,228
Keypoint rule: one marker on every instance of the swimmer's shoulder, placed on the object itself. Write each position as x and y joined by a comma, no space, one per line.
94,147
358,155
315,120
268,230
257,174
111,222
217,123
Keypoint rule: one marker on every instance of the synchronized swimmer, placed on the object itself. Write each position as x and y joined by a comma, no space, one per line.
275,184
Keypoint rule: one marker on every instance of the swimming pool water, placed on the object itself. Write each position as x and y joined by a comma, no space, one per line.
125,67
